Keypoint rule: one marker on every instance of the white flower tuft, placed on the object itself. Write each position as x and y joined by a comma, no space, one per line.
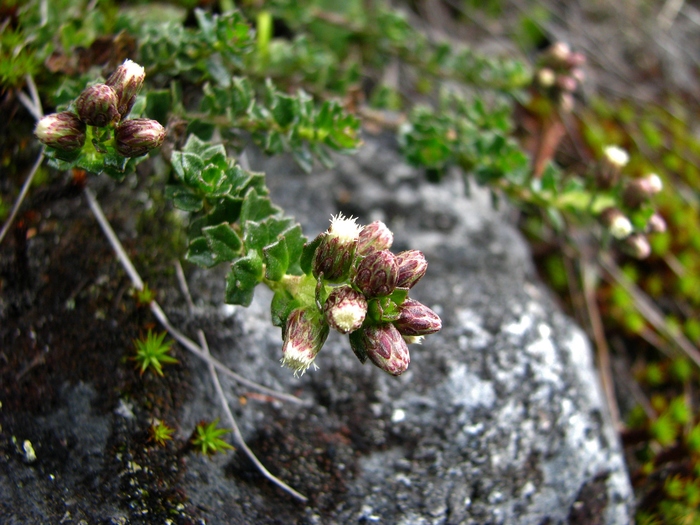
616,156
546,77
348,316
655,183
44,126
345,229
621,227
133,70
298,359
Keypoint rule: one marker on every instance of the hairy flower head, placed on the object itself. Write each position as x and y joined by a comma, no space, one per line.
345,309
304,335
345,229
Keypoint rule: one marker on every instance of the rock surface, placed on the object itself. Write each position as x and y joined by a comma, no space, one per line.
498,420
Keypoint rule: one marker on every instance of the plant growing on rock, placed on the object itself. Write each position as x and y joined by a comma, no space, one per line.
217,83
234,221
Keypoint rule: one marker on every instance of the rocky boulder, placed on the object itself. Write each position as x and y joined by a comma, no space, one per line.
499,418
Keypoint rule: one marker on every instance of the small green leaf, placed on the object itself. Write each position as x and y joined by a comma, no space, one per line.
184,199
225,209
242,95
256,207
158,104
276,259
303,158
295,239
223,241
281,306
284,110
152,353
187,165
358,346
245,274
200,253
274,142
307,254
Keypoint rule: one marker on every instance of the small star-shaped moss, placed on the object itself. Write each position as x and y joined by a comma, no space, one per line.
207,438
152,353
160,433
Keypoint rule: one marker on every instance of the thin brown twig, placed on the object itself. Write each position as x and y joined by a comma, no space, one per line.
589,277
21,196
237,432
222,397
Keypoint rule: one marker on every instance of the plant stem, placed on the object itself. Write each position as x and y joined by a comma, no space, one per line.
236,431
22,195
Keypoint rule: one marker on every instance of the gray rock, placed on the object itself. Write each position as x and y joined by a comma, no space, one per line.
499,419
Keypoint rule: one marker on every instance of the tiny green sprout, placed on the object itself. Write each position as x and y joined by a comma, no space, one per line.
160,433
206,437
693,439
664,430
144,296
152,352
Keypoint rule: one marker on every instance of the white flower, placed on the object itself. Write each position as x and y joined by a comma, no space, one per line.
348,316
621,227
345,229
655,183
298,358
133,70
546,77
616,156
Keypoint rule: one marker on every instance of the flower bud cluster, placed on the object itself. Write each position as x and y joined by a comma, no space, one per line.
559,74
362,290
105,106
634,196
634,243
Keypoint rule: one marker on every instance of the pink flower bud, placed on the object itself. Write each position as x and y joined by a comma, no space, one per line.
656,224
566,83
374,237
377,274
126,81
637,246
575,60
63,131
384,346
412,267
417,319
97,105
559,51
336,252
638,191
345,309
136,137
304,335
